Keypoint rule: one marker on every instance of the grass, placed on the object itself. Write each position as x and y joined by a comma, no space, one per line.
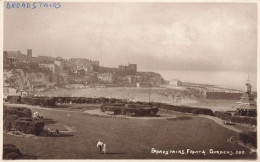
126,139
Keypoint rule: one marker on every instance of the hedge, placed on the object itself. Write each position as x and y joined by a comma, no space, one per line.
11,152
53,101
18,111
18,118
29,125
13,99
9,121
130,109
223,115
243,119
236,119
248,138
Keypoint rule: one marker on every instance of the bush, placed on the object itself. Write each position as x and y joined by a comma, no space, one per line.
248,138
37,126
14,99
19,111
223,115
11,152
195,111
112,100
29,126
9,121
243,119
23,125
206,111
251,113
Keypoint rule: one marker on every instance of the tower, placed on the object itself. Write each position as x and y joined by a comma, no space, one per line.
29,54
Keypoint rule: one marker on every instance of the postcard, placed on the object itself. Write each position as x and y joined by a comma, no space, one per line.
92,80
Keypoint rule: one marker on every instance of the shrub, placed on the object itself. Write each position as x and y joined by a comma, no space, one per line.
11,152
223,115
37,126
195,111
117,111
206,111
112,100
14,99
251,113
252,121
248,137
19,111
9,121
23,125
29,126
245,120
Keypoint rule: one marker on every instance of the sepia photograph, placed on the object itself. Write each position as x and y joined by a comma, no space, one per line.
129,80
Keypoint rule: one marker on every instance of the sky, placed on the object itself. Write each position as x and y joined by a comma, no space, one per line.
163,36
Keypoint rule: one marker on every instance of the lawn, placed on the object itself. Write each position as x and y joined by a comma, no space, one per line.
126,138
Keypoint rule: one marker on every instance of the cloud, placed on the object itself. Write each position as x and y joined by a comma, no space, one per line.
190,36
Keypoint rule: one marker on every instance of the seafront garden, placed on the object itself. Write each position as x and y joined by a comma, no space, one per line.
184,129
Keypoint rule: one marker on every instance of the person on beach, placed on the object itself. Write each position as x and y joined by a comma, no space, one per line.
99,145
104,148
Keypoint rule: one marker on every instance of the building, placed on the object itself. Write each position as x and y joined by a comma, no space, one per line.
132,68
60,65
84,64
13,62
50,67
175,82
29,54
143,84
5,55
105,77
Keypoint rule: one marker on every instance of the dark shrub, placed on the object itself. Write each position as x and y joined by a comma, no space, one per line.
92,100
195,111
19,111
14,99
9,121
251,113
36,126
248,137
243,119
98,101
223,115
112,100
102,99
123,111
117,111
252,121
11,152
82,100
205,111
67,100
88,100
154,111
23,125
29,126
73,99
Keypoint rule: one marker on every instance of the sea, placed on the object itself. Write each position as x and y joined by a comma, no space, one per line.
225,79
